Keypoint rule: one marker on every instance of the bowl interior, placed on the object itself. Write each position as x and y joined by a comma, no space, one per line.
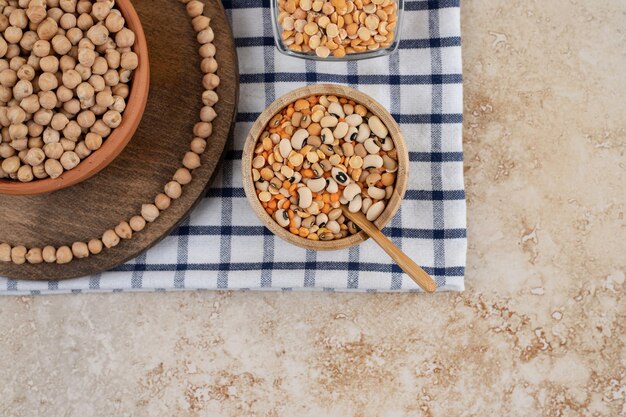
119,137
340,91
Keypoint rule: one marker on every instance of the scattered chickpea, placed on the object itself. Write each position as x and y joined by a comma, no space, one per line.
149,212
110,239
80,250
64,255
18,255
124,230
95,246
49,254
137,223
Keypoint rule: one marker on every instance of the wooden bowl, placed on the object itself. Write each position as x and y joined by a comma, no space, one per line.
119,137
377,109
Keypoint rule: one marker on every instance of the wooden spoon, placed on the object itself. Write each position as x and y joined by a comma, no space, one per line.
412,269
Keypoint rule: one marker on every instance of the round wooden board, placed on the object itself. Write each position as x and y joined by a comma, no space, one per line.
86,210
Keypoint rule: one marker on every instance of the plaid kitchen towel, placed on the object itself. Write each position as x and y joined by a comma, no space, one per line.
224,246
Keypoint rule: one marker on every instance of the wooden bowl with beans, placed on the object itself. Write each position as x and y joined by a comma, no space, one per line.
74,82
316,149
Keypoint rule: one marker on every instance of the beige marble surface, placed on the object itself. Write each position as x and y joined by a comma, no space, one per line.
539,332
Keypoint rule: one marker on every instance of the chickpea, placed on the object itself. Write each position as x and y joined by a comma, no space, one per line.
124,230
98,34
49,254
69,160
71,79
35,156
11,165
15,115
100,66
173,190
25,173
13,34
114,22
49,63
86,56
137,223
81,150
95,246
68,145
85,120
162,202
53,150
111,78
80,250
18,18
64,94
97,82
72,131
125,38
182,176
93,141
100,128
74,35
8,78
39,171
34,256
61,44
48,100
53,168
47,29
67,21
112,119
72,107
100,10
36,13
84,22
48,81
129,61
59,121
18,255
64,255
28,41
30,104
191,160
43,117
149,212
67,63
110,239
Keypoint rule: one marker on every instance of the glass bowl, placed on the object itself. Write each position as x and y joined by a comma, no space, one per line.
285,48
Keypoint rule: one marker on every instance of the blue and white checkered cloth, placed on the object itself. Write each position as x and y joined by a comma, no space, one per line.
224,246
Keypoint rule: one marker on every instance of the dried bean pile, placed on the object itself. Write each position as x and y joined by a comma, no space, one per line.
172,190
65,69
318,153
337,27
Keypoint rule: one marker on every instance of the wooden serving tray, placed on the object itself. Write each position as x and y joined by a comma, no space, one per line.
86,210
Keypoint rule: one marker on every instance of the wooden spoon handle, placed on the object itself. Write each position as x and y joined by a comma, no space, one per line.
412,269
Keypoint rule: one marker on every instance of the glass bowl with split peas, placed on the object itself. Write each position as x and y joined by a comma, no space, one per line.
337,30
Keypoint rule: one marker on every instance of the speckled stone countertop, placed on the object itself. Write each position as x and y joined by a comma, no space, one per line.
540,330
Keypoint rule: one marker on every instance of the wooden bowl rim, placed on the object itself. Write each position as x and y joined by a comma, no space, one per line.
119,137
372,105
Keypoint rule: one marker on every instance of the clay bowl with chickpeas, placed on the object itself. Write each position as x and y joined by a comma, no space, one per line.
74,83
317,149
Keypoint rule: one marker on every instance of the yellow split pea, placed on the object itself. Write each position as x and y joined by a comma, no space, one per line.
337,27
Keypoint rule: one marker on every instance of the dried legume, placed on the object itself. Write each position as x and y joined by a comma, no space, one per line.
337,27
68,80
302,175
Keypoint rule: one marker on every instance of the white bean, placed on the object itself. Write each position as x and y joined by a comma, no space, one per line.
375,211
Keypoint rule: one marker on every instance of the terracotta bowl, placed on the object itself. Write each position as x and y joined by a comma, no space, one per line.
377,109
119,137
